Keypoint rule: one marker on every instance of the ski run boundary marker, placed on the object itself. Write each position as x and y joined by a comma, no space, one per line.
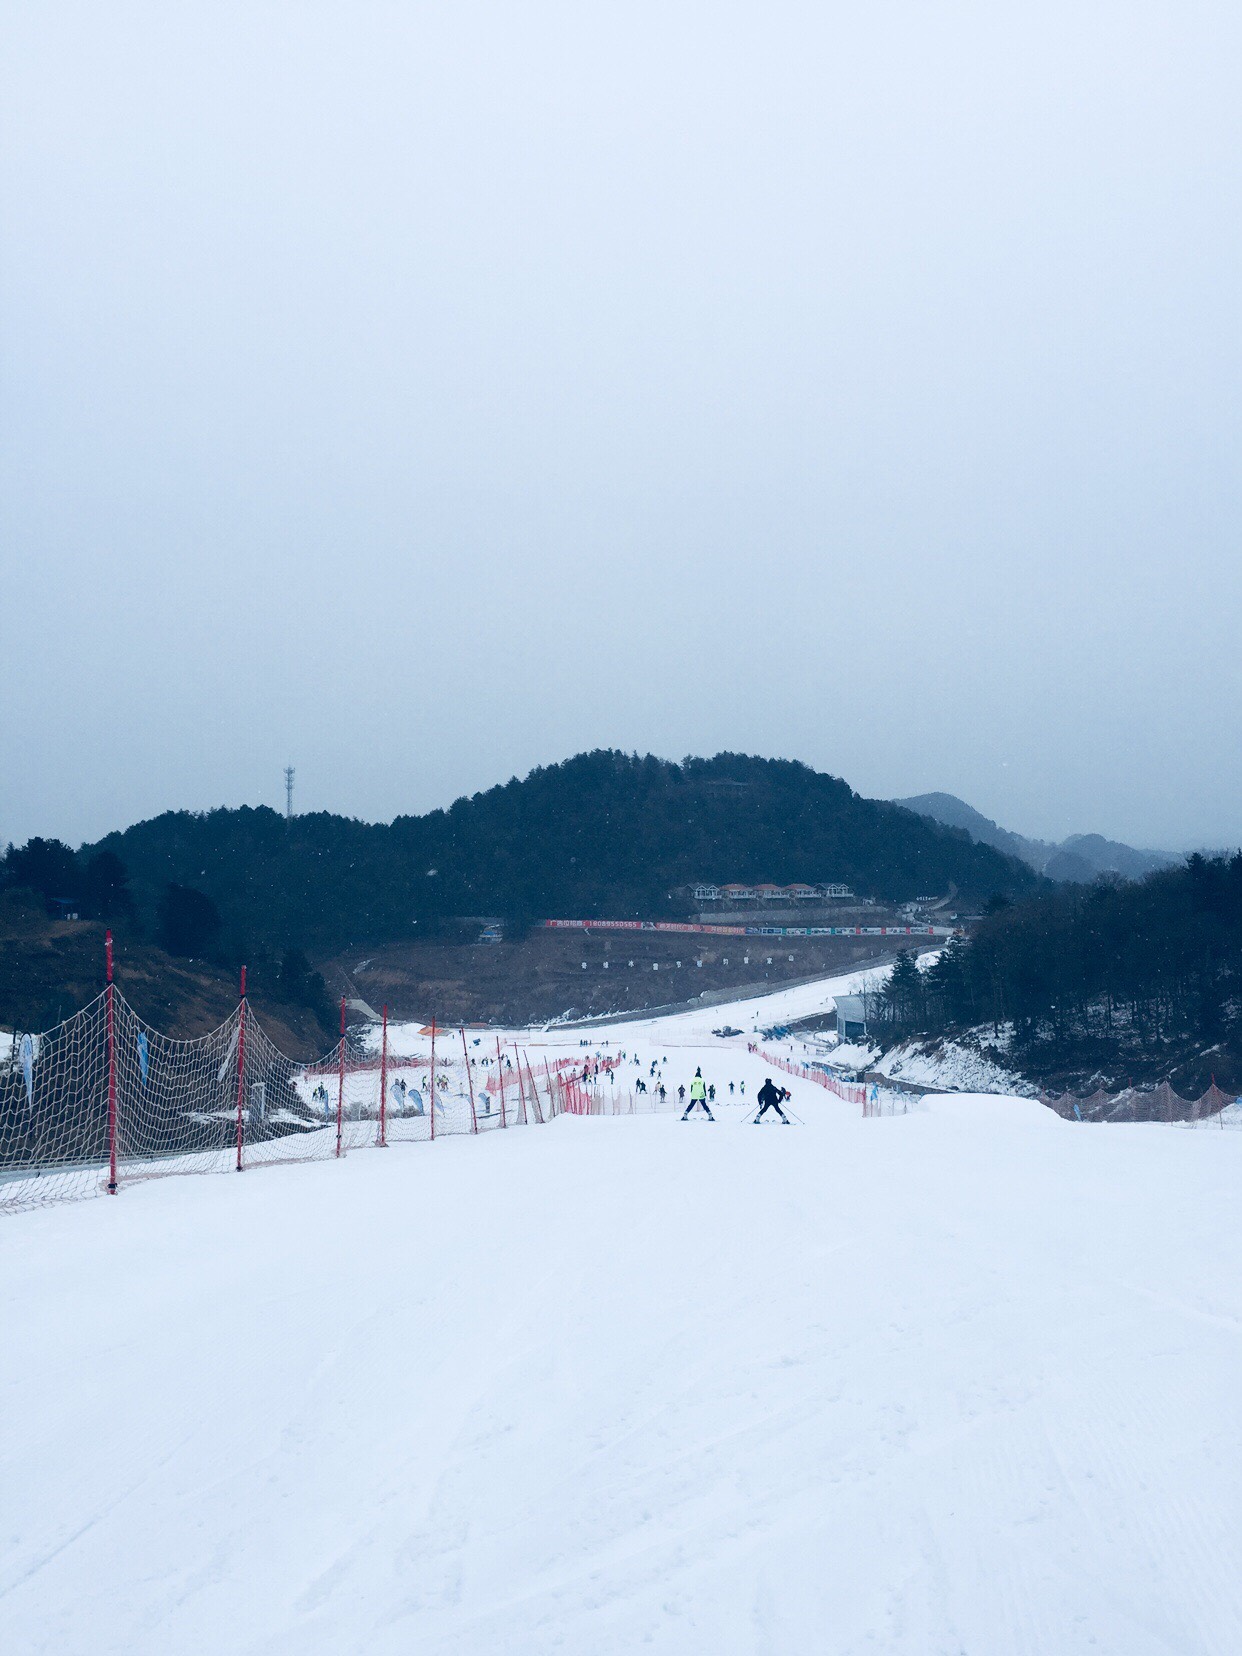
104,1100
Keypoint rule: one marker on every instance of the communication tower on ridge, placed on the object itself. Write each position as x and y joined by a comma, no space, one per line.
288,793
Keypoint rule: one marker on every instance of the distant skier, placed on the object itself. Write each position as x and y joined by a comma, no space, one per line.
770,1098
698,1095
681,1094
730,1089
711,1093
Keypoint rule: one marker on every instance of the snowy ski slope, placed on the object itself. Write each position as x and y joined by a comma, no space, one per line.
965,1380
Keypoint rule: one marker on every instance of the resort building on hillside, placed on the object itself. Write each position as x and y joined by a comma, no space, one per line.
765,892
851,1017
771,894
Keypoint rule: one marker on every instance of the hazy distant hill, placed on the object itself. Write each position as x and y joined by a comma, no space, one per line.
1080,858
604,834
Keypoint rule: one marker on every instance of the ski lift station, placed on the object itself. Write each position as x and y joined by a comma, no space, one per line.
851,1017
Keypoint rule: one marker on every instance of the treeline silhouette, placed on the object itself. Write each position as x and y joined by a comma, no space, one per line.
603,835
1147,972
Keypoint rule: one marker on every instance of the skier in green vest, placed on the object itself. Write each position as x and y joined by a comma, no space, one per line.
698,1095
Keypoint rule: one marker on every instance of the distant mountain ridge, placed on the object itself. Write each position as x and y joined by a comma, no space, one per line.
1078,859
604,835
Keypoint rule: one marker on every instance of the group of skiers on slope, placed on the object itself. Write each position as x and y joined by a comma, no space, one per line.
771,1097
406,1099
413,1095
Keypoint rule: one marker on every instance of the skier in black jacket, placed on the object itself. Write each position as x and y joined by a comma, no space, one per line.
770,1099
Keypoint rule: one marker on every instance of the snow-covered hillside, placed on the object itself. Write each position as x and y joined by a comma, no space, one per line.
948,1066
961,1381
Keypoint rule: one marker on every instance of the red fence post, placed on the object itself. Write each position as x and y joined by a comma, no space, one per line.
111,1070
383,1138
340,1081
241,1064
500,1071
474,1120
433,1077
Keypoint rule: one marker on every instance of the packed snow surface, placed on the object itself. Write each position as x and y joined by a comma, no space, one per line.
962,1381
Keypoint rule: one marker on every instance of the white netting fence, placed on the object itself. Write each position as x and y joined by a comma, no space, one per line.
1214,1108
104,1100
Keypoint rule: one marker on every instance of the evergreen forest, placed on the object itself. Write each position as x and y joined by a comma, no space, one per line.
602,835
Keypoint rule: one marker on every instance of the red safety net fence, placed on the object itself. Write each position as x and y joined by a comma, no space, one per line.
1213,1108
592,1091
849,1091
104,1100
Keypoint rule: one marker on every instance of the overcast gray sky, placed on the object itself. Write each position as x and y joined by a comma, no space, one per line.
417,393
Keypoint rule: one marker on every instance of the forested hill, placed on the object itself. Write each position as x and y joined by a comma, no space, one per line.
602,835
1096,986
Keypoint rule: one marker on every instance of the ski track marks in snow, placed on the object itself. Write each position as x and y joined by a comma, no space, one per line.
958,1382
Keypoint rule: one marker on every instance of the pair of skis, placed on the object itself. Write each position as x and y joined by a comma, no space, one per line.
787,1120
